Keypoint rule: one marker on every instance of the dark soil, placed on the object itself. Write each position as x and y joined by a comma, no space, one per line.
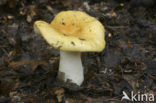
28,65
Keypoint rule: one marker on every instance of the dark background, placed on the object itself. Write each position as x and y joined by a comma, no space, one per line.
28,65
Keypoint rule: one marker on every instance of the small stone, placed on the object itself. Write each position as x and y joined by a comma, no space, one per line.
50,8
105,8
86,5
109,35
29,19
10,17
121,4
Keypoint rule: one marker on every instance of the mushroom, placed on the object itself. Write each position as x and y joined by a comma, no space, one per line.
72,32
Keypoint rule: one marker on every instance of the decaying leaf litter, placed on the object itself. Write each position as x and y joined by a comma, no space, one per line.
28,65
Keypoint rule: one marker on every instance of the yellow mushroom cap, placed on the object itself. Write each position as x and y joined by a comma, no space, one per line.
73,31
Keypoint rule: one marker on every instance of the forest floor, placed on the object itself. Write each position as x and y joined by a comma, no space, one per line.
28,65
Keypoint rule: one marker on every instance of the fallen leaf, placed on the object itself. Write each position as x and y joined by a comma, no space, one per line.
59,92
33,63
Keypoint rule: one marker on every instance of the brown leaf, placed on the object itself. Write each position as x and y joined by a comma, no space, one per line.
33,63
69,100
59,92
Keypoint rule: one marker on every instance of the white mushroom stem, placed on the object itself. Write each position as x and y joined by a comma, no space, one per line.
71,67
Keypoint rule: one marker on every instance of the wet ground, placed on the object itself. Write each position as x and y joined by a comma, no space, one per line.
28,65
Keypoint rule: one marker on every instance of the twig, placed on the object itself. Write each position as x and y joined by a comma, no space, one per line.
117,27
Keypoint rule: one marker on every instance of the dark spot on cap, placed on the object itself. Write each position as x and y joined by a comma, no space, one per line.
73,43
73,24
82,39
63,23
65,34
